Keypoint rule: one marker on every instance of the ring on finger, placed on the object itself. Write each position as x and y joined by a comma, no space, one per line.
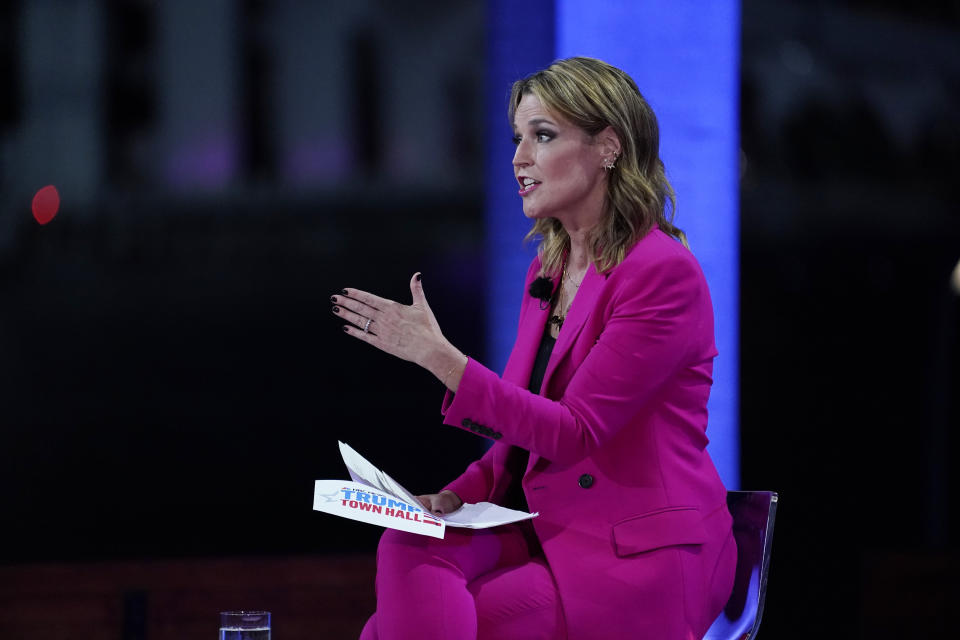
366,327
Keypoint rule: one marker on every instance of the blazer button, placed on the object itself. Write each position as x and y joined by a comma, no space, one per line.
585,481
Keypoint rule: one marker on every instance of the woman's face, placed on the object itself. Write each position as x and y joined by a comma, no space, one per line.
558,166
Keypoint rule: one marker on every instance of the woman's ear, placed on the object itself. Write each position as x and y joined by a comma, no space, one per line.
609,144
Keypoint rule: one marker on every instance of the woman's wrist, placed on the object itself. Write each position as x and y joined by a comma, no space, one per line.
447,365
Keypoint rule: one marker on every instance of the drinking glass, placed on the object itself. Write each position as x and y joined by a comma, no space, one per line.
245,625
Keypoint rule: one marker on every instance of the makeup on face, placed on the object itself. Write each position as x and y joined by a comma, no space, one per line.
555,164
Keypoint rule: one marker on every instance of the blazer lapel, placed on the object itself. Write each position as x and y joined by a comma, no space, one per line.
583,304
579,311
530,332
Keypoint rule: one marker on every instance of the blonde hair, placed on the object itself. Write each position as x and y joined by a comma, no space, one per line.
594,95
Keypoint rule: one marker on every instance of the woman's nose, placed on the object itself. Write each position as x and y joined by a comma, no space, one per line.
521,157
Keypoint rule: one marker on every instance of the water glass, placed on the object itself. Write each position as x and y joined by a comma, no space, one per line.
245,625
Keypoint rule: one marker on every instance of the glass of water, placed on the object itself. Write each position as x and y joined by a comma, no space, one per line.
245,625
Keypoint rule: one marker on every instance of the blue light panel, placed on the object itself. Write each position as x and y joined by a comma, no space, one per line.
684,56
519,41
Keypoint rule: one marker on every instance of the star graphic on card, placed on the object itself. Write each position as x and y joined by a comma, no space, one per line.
330,497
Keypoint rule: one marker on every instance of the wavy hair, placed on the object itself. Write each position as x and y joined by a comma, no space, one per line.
593,95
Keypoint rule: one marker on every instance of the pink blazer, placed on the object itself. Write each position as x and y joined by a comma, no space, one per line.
618,467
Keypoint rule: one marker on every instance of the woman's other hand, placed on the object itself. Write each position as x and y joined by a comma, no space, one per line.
441,504
409,332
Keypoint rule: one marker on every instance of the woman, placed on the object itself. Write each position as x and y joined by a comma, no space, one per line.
599,417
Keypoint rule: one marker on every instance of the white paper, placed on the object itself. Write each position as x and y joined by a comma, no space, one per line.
362,471
483,515
359,501
380,487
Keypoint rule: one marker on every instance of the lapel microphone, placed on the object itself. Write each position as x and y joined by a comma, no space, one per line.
542,290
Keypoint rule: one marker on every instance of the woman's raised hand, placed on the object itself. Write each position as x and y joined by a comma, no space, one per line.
441,504
409,332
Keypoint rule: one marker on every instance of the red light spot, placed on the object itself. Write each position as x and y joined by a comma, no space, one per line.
45,204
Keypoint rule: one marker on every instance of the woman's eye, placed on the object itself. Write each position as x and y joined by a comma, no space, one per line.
542,136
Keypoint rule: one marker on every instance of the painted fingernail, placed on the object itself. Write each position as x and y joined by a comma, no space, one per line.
333,298
343,291
336,309
418,276
346,328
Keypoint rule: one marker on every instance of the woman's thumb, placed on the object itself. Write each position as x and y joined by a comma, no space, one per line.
416,288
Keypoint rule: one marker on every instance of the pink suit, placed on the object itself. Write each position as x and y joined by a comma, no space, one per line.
633,520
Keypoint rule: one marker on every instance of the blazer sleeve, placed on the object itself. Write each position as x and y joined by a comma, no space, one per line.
477,482
656,313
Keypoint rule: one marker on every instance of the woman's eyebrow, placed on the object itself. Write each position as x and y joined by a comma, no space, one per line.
535,121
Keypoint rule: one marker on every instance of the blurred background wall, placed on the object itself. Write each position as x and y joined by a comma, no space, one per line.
850,219
169,359
171,380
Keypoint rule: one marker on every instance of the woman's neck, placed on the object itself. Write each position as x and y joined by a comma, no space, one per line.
578,226
579,257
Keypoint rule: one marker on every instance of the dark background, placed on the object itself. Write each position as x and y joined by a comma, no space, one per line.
172,382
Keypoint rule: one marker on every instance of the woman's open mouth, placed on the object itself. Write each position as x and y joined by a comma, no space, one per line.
526,185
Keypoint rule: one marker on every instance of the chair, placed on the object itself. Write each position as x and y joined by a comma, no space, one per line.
753,514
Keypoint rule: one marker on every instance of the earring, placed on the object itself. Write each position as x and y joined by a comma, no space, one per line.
608,164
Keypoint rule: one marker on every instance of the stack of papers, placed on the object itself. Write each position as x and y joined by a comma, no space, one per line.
376,498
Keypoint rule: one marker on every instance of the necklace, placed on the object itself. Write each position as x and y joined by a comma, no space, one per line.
576,285
558,318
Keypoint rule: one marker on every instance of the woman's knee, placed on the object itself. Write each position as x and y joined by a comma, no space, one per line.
398,549
469,552
403,548
370,629
392,539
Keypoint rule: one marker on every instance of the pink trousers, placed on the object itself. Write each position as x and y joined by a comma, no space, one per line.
489,583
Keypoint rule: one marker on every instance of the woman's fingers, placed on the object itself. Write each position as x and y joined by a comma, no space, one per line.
429,502
409,332
368,299
450,501
443,503
355,305
436,503
357,312
368,337
355,319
